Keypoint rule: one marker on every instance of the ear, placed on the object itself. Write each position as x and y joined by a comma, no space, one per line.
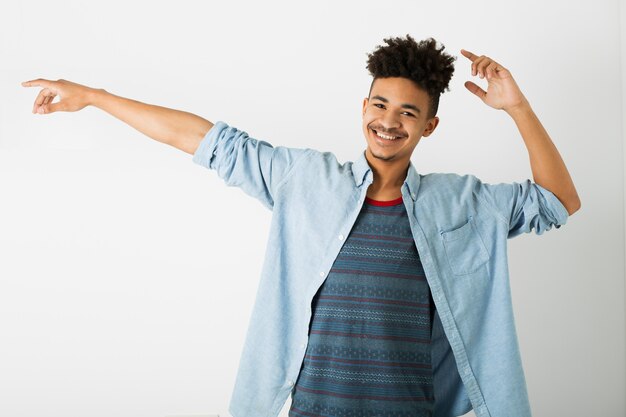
365,101
430,126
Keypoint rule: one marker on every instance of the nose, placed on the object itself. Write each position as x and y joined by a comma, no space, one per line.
390,121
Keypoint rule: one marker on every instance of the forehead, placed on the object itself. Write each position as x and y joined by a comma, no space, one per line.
399,89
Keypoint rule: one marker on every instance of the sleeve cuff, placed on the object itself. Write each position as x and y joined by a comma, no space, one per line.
556,207
204,153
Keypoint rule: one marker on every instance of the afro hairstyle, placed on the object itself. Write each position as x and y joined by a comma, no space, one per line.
422,62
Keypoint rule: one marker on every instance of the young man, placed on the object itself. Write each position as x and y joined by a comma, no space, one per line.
384,292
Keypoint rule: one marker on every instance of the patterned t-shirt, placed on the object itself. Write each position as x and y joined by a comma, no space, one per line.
369,336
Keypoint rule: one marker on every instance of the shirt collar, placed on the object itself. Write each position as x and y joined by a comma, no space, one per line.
362,170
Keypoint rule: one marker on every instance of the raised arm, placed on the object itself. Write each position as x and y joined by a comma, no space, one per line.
177,128
546,163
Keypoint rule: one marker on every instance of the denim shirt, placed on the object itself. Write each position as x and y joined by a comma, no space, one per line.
460,226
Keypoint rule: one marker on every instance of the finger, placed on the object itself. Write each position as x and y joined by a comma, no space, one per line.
46,103
468,55
38,100
479,92
480,67
39,82
475,65
46,100
41,108
491,69
50,107
43,99
478,64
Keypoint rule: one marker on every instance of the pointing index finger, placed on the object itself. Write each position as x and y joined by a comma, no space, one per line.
39,82
469,55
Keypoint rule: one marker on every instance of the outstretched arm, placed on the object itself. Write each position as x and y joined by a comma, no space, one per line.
502,93
177,128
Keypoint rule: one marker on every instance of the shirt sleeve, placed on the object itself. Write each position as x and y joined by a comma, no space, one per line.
525,206
255,166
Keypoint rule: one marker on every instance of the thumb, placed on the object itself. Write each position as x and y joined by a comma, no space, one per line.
53,107
479,92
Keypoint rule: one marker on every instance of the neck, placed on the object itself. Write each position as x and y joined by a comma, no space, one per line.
388,175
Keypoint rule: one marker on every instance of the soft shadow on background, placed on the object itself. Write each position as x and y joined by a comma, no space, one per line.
128,273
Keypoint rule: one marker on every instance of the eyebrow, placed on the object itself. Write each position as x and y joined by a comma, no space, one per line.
404,106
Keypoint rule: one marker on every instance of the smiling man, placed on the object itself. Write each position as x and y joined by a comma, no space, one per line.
391,142
385,291
393,124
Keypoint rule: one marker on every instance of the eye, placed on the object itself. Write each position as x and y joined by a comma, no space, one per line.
382,106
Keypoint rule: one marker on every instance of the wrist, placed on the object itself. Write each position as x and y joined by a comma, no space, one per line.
95,96
521,109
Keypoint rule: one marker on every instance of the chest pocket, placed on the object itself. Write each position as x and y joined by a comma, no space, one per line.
464,249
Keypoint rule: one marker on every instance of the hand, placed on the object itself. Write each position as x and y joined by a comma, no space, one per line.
502,90
73,97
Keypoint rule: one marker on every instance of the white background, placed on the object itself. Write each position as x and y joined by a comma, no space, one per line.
128,273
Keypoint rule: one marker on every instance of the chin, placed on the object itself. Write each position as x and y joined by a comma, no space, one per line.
381,155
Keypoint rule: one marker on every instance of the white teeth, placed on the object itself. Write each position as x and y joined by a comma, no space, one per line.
386,137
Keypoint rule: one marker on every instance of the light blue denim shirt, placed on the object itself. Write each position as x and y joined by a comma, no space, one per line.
460,226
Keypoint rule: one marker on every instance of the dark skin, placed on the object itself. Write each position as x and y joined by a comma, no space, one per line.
390,159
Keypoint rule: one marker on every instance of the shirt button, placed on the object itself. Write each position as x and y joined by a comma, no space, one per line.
340,237
302,346
322,273
290,383
413,196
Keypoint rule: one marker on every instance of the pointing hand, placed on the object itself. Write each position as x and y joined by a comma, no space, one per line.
502,90
73,97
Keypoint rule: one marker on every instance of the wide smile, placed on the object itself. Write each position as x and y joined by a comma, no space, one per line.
386,141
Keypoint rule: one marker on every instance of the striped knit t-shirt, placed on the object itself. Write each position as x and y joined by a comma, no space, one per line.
369,336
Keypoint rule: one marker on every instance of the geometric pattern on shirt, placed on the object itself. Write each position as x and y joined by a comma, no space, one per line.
369,336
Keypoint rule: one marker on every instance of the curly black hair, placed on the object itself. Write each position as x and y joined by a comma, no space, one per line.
422,62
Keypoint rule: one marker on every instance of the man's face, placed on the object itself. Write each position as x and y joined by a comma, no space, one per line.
396,107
